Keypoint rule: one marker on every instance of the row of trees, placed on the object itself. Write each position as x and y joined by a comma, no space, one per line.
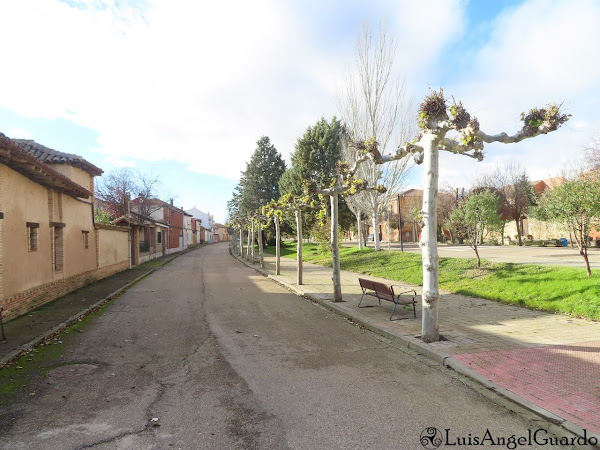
442,128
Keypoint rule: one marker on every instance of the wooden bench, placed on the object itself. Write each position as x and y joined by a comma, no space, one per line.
386,292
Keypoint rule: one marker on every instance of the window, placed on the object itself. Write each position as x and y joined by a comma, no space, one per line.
86,238
58,248
32,236
159,235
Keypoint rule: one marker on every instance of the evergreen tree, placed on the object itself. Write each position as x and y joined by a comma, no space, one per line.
315,158
259,183
318,151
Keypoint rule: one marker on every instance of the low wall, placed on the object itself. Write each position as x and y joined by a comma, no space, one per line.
113,245
30,299
112,256
145,257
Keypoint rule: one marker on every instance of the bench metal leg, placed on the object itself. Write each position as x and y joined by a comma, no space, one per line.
363,296
393,309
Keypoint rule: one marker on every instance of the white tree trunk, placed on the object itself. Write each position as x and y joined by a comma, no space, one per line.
252,244
428,243
241,249
248,246
335,251
376,228
359,226
299,247
277,247
260,244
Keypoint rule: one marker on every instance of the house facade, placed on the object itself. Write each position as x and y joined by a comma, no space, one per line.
221,233
49,244
208,224
409,201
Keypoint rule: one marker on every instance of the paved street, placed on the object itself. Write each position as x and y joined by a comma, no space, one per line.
226,358
549,360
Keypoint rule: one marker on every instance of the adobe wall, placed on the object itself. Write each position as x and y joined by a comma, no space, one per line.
24,201
112,247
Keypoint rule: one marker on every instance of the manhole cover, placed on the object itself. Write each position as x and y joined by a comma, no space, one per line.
72,370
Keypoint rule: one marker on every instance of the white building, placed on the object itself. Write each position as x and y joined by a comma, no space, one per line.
208,222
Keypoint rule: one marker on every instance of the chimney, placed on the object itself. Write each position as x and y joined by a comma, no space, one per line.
171,202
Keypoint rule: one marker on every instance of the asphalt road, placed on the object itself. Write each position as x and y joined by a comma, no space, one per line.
225,359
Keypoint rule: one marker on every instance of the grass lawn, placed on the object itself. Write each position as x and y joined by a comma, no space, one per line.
555,289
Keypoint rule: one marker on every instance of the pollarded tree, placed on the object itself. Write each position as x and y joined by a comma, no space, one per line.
478,214
343,183
276,209
574,203
435,121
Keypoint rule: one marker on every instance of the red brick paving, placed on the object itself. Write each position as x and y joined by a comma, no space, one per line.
563,379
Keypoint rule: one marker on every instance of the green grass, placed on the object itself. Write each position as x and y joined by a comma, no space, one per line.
554,289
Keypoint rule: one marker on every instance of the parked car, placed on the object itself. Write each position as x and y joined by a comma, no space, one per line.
371,237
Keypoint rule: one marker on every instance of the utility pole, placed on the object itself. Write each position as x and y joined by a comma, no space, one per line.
388,227
400,223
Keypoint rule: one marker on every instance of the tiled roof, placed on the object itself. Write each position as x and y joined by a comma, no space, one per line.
17,159
51,156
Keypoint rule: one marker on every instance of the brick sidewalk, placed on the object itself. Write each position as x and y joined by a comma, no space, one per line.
550,360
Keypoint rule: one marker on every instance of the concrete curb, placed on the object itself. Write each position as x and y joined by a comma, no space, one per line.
422,348
9,357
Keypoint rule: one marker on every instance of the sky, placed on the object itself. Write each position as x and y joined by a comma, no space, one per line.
183,89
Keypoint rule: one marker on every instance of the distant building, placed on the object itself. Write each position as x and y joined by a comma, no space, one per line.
221,233
207,223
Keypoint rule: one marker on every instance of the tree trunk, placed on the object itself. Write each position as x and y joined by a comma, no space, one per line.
519,232
335,251
277,247
476,252
260,245
299,247
502,232
428,242
358,224
252,244
582,244
376,228
248,245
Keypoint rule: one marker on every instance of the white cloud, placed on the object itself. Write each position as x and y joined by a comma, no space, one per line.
198,82
540,52
19,133
119,162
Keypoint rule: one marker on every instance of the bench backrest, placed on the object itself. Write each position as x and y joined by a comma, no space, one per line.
384,291
366,284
